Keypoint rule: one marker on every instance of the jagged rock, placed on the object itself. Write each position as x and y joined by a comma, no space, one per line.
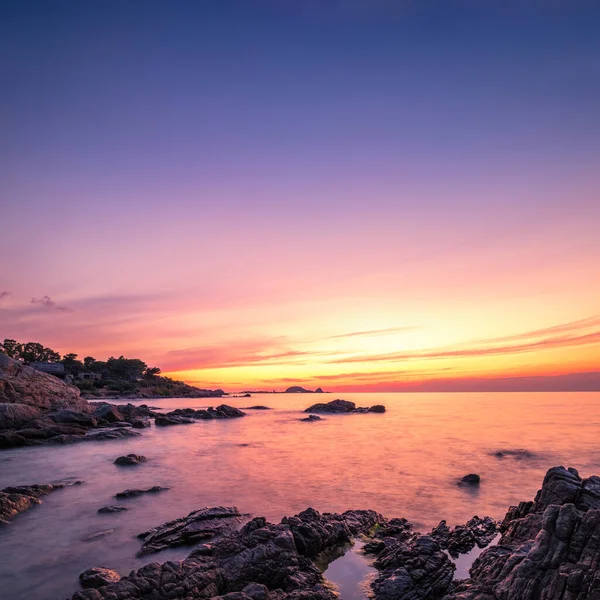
239,565
17,499
311,418
11,439
14,415
136,492
550,548
98,576
413,570
107,510
463,538
130,459
343,407
203,524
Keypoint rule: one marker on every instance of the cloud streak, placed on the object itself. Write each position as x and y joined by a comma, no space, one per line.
47,303
374,332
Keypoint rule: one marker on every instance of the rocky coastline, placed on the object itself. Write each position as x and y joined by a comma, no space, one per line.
548,548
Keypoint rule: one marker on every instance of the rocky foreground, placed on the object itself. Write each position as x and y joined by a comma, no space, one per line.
37,408
549,550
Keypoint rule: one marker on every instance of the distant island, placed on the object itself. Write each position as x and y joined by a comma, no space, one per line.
295,389
114,378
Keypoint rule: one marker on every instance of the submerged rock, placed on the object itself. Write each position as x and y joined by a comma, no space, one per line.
258,407
111,509
138,492
203,524
98,576
343,407
311,418
130,459
170,419
471,479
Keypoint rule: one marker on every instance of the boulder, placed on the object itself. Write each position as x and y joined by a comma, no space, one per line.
140,423
169,419
378,408
109,413
97,577
21,384
129,460
312,418
72,417
471,479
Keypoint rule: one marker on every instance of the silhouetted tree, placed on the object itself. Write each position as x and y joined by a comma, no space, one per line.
11,348
35,352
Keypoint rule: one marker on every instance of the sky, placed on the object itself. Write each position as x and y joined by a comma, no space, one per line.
367,196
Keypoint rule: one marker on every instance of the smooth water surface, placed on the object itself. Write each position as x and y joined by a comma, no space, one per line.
404,463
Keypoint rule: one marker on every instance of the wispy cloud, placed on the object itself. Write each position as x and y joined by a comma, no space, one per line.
574,334
48,303
4,295
374,332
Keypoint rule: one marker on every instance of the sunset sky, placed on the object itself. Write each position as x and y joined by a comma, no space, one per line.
347,194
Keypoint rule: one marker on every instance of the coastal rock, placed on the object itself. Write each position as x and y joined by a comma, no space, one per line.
138,492
413,570
204,524
73,417
140,423
463,538
97,577
130,459
258,407
343,407
550,547
171,419
108,510
24,385
14,414
311,418
109,413
187,415
17,499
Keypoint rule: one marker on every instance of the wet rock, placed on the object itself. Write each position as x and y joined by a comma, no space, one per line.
17,499
108,434
138,492
140,423
258,562
170,419
10,439
107,510
130,459
258,407
97,535
463,538
413,570
311,418
550,547
222,411
343,407
225,411
203,524
97,577
471,479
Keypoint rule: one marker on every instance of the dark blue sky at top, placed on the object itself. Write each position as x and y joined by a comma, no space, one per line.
159,96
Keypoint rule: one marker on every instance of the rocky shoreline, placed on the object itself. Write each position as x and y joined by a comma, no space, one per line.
549,549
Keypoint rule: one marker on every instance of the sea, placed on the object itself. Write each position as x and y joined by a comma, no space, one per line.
404,463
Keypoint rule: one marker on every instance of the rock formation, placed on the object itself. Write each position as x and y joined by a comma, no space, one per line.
15,500
343,407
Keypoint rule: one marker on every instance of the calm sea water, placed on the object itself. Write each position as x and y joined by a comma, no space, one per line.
404,463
